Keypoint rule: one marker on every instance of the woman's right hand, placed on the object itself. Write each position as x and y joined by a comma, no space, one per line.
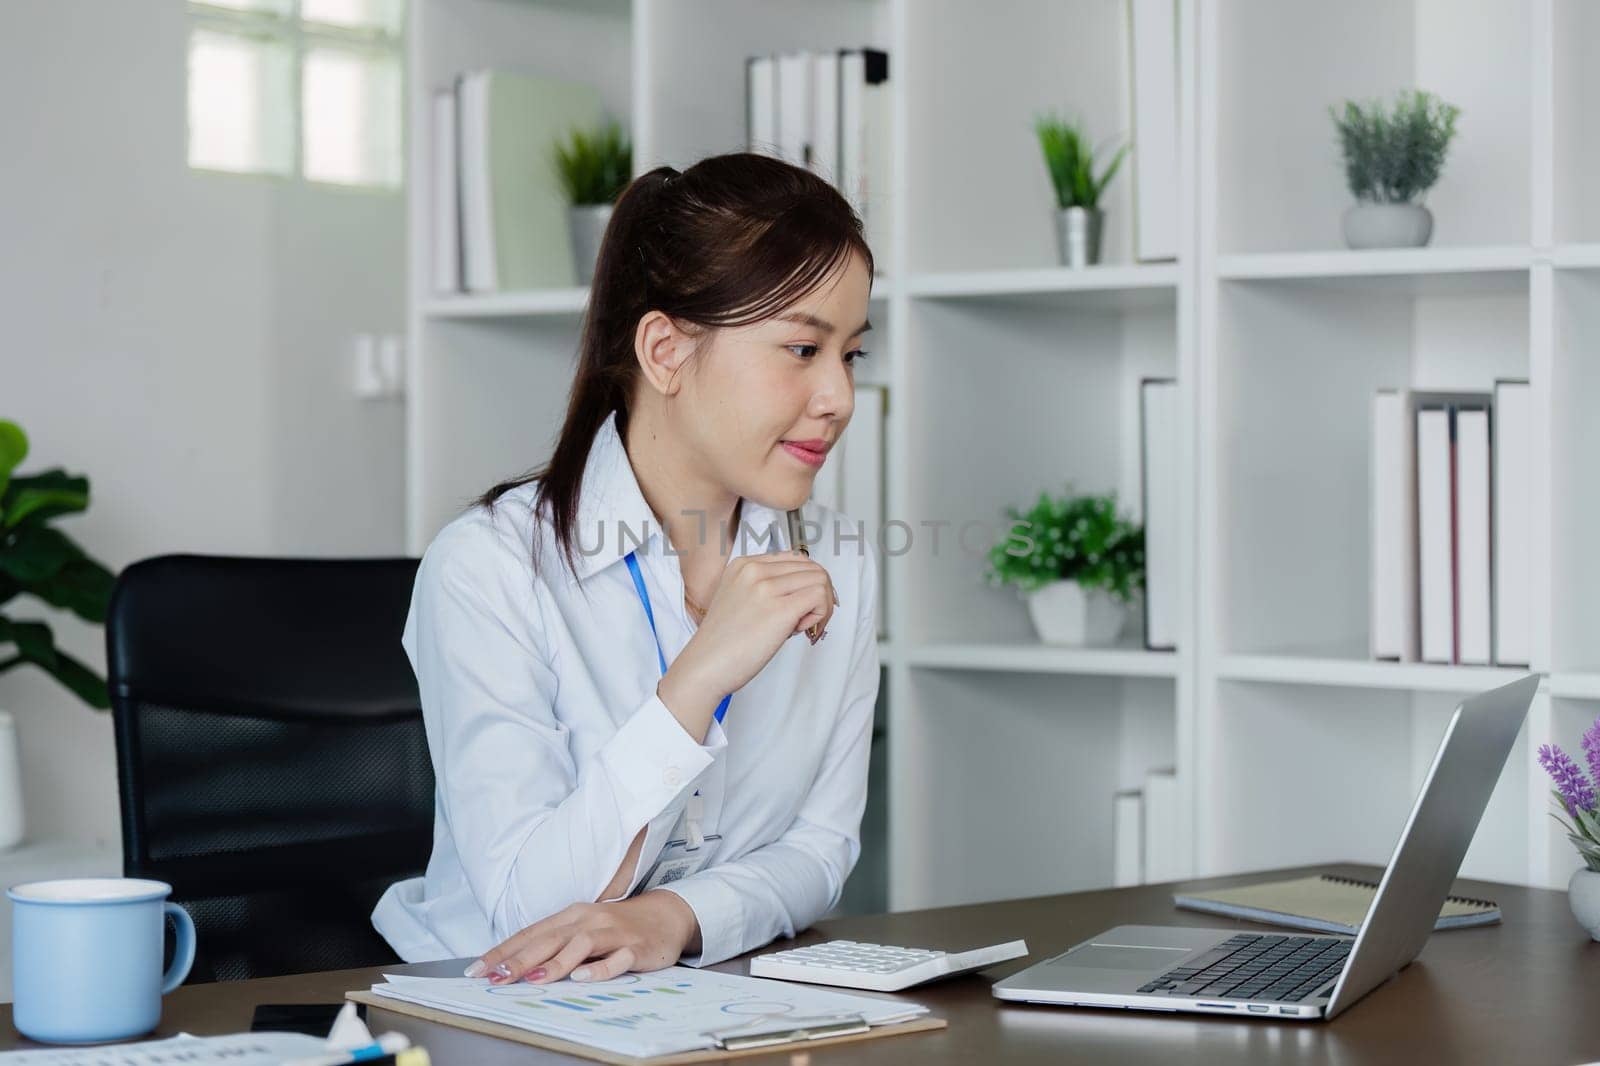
760,602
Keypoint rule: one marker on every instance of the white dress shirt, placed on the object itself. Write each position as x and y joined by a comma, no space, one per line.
551,748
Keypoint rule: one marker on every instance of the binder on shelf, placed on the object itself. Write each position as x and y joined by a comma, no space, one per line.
446,196
1153,31
1161,453
824,138
794,107
852,483
865,139
1127,836
1473,590
513,209
1453,514
1393,530
1513,523
828,112
1161,826
761,104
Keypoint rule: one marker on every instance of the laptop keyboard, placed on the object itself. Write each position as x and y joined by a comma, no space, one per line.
1250,966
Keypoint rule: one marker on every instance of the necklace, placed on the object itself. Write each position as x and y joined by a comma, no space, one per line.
694,608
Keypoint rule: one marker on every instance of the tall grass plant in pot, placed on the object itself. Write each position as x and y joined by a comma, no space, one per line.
1070,162
1392,157
594,167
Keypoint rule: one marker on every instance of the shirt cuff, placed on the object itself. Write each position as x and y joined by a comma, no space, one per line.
720,913
652,759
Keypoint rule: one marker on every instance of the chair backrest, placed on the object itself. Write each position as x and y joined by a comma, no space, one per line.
271,758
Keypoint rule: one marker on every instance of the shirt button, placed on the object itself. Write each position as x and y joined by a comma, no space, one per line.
672,777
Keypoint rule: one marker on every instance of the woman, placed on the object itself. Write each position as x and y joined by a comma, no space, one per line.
636,758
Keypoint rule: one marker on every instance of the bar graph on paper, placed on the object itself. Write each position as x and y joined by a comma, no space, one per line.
640,1014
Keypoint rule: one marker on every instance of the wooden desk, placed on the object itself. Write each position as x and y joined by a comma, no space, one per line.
1521,992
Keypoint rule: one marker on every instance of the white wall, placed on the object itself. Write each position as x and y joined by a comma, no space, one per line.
179,337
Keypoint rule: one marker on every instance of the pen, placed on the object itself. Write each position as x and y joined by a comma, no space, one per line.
797,541
384,1048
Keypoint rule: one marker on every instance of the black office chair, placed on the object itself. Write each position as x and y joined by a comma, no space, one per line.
271,757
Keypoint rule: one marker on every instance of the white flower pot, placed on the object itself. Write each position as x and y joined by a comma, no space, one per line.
1387,226
1583,895
1064,612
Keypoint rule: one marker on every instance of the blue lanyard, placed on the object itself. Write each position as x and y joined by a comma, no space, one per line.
644,598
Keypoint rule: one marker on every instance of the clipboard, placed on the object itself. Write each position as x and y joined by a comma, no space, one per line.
550,1043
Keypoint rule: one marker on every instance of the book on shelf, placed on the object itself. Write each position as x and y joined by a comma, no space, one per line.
1472,517
512,229
828,112
1323,904
851,482
1127,838
1436,534
1434,546
1160,456
1393,528
1153,33
1513,523
1161,826
446,195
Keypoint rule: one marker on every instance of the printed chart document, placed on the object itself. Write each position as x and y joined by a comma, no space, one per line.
645,1014
238,1049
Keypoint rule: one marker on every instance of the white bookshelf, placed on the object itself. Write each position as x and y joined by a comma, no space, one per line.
1009,374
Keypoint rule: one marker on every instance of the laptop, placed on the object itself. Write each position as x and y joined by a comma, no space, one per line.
1270,975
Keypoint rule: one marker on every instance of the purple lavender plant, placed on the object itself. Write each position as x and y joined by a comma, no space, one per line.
1576,792
1591,749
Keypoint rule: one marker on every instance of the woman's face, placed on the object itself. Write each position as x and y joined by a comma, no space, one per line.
763,403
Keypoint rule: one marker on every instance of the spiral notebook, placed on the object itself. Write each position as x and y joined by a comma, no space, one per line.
1324,904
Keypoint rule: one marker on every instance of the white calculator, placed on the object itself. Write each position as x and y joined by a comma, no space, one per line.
877,967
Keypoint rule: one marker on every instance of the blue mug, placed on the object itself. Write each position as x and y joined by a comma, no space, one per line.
86,958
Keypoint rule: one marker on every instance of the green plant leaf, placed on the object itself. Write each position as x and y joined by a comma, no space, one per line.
13,449
39,497
1394,154
594,166
35,553
78,678
1077,538
1589,825
34,641
82,586
1070,162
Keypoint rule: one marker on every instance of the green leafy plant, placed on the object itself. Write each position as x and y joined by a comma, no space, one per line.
1076,538
1393,156
1070,161
594,165
45,563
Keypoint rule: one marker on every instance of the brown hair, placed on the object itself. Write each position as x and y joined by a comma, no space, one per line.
731,241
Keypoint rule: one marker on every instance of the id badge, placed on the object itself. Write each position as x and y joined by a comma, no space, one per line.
676,862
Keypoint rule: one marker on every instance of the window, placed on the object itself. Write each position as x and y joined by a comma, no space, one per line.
297,87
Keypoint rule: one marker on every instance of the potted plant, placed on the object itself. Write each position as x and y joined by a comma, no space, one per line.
43,562
1071,164
1574,793
594,166
1078,562
1392,157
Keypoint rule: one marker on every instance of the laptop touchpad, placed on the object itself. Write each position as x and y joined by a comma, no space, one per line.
1122,957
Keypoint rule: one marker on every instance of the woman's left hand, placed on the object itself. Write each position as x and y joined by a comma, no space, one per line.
647,932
